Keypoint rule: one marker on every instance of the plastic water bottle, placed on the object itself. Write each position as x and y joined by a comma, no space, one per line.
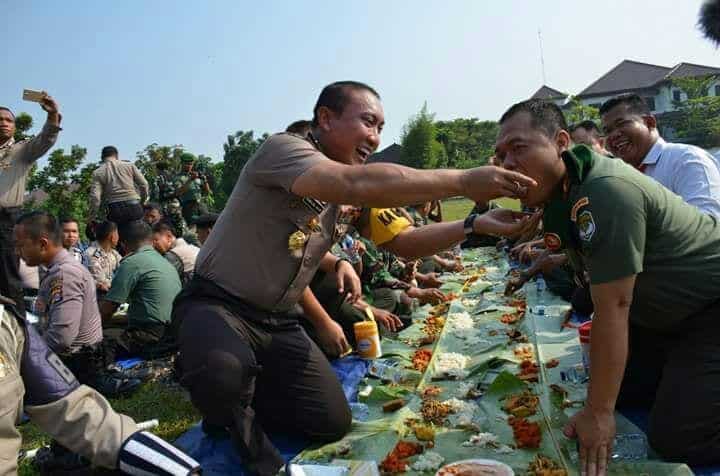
360,411
540,289
630,447
387,370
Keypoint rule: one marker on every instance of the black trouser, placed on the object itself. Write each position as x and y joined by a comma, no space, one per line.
677,374
123,213
87,363
10,282
250,370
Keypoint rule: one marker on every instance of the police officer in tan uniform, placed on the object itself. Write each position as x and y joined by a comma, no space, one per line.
247,363
34,380
121,186
16,159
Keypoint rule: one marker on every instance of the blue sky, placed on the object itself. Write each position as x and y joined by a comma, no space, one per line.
133,72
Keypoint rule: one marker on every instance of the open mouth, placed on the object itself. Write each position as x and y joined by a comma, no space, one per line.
363,152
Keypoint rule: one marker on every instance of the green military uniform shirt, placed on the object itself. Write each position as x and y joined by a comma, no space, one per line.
418,219
194,191
616,222
380,268
149,283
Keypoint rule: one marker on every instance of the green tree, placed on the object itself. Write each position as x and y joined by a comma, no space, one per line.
468,142
420,147
697,120
66,184
148,158
23,123
575,112
238,150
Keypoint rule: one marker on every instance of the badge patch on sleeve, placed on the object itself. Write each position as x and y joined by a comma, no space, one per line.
56,291
578,205
586,225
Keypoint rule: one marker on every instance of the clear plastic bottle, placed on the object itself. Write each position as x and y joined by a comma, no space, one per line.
540,289
360,411
387,370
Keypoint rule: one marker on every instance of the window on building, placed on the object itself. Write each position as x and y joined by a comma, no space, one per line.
676,95
650,101
717,90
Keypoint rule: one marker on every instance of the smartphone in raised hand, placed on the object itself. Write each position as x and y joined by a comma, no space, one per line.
33,96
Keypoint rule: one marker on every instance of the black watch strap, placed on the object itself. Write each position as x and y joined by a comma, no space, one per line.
468,224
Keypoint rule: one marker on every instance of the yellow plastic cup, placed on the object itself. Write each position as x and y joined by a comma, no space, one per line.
367,338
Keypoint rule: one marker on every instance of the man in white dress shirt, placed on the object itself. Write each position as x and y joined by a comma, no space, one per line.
688,171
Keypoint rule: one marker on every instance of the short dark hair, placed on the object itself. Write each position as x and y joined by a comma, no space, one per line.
136,234
709,21
588,125
39,223
3,108
108,151
301,127
335,96
152,206
104,229
635,104
207,220
544,115
163,226
69,219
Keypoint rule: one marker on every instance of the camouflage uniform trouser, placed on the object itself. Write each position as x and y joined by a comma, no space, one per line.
192,210
149,342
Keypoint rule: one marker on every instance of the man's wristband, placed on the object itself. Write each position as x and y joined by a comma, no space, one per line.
337,263
468,225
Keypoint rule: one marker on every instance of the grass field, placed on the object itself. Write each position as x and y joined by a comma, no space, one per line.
457,209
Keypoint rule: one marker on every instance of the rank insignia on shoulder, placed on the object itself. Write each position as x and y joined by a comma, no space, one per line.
296,243
314,205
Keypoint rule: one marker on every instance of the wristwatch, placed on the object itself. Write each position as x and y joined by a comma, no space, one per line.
468,225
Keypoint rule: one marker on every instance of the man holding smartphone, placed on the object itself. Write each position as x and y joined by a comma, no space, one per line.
16,159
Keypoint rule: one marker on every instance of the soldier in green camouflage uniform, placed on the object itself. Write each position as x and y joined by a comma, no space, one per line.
168,201
189,188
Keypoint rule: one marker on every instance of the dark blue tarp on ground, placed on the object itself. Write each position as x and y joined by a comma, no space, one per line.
218,457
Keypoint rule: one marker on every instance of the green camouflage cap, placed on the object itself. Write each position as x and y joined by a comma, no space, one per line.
187,158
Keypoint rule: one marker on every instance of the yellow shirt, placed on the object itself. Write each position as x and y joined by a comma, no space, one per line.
385,225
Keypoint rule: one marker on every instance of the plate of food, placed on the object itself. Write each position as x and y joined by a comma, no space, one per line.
475,467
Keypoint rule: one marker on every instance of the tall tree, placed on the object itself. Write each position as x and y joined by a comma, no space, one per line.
468,142
575,112
697,120
23,124
238,150
420,147
66,184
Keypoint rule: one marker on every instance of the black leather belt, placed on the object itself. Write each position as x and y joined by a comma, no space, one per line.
124,202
